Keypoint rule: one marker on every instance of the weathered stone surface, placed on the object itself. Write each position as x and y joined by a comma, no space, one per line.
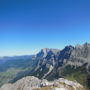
32,83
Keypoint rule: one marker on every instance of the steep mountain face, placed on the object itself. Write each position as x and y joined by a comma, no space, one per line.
71,63
77,66
33,83
64,55
49,60
80,55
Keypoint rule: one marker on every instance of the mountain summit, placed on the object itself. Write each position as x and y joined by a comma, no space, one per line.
45,51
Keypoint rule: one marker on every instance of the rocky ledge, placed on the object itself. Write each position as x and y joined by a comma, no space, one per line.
33,83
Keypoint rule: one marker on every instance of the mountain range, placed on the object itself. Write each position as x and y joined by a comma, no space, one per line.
71,63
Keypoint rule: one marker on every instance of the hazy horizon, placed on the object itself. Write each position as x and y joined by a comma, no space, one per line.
20,53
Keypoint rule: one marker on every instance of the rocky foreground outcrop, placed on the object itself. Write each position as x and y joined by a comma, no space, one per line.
33,83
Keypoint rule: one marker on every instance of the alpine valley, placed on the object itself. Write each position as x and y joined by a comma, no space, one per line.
50,69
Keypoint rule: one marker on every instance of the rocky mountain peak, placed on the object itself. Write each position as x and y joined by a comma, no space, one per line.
82,51
65,53
45,51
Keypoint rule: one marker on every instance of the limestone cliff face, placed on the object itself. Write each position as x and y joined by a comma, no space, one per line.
80,55
33,83
57,59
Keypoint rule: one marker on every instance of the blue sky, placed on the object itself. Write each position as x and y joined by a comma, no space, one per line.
26,26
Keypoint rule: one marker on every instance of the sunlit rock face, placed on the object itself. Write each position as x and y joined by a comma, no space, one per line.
80,55
51,61
46,51
33,83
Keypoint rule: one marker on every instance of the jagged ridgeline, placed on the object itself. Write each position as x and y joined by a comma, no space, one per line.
72,63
